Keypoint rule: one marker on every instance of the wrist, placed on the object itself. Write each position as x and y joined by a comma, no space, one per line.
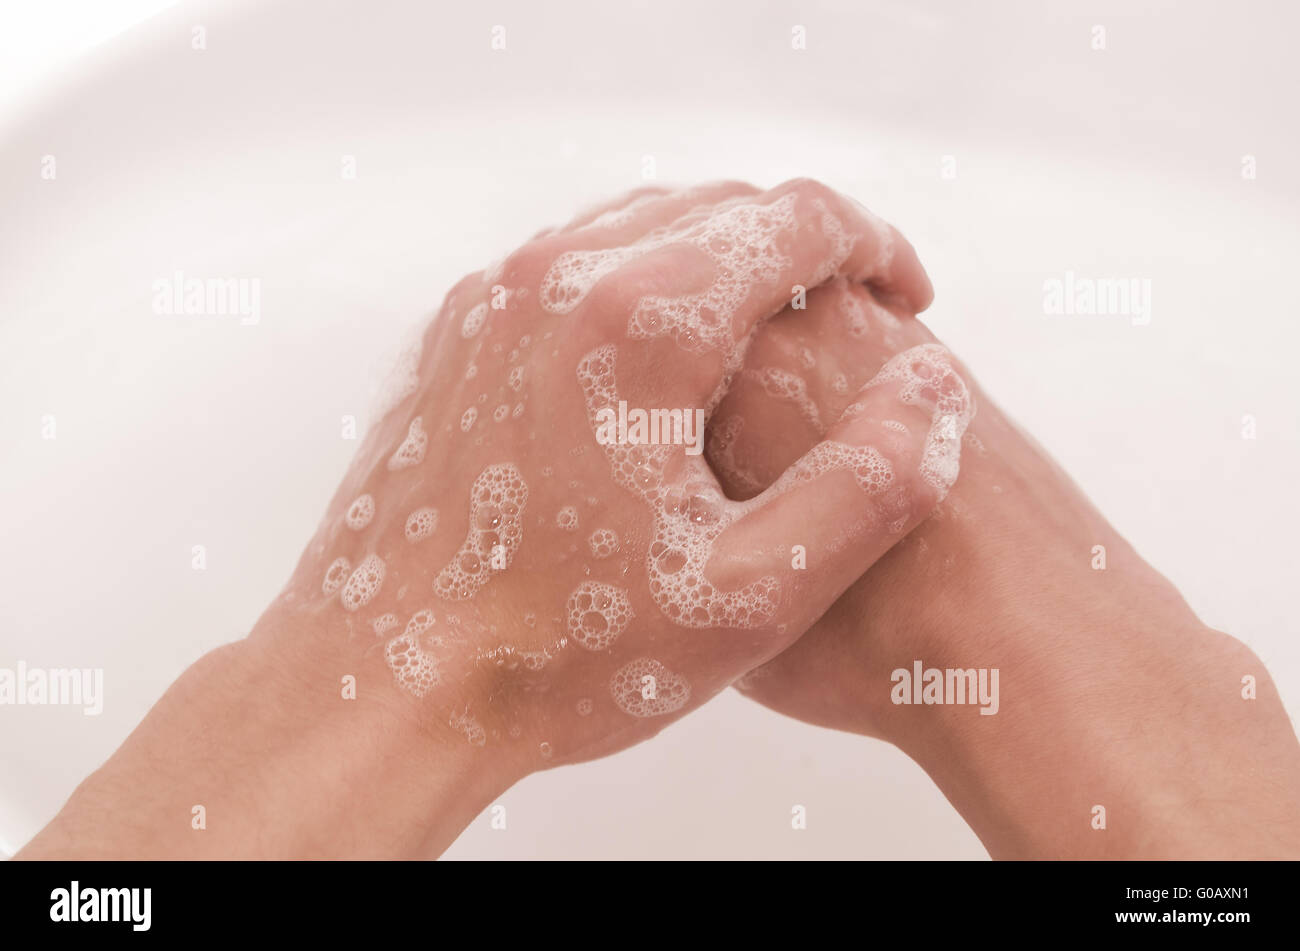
1127,740
257,752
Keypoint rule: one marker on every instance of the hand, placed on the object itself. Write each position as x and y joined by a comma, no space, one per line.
1112,693
510,582
537,587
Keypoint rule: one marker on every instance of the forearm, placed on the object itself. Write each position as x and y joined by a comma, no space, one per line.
1181,763
281,765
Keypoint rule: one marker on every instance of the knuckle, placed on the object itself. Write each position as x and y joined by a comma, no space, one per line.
808,189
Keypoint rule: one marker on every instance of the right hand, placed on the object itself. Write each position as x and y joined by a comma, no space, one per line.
1111,689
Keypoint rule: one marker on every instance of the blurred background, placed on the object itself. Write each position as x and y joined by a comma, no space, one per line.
358,157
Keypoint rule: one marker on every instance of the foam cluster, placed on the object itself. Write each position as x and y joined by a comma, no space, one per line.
420,524
335,575
603,542
411,451
360,512
854,312
498,498
415,669
841,241
466,724
783,385
567,518
927,379
364,583
597,614
646,688
467,419
419,622
689,515
473,321
871,470
741,240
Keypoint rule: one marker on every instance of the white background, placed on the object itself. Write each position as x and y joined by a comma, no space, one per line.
173,432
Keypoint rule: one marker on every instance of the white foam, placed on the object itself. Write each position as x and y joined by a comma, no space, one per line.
841,243
419,622
854,312
742,240
498,498
792,388
473,321
335,575
603,542
360,512
466,724
421,523
629,689
467,419
411,451
689,515
364,583
415,669
928,380
533,660
597,614
871,470
567,518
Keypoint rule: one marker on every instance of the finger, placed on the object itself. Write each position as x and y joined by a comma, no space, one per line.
800,374
565,265
835,235
884,466
707,281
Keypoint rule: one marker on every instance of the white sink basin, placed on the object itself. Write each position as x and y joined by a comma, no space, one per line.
178,431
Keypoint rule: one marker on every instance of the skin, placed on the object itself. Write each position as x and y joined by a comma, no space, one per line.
259,734
480,677
1113,692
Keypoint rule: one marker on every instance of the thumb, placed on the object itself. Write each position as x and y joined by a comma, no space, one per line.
883,467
